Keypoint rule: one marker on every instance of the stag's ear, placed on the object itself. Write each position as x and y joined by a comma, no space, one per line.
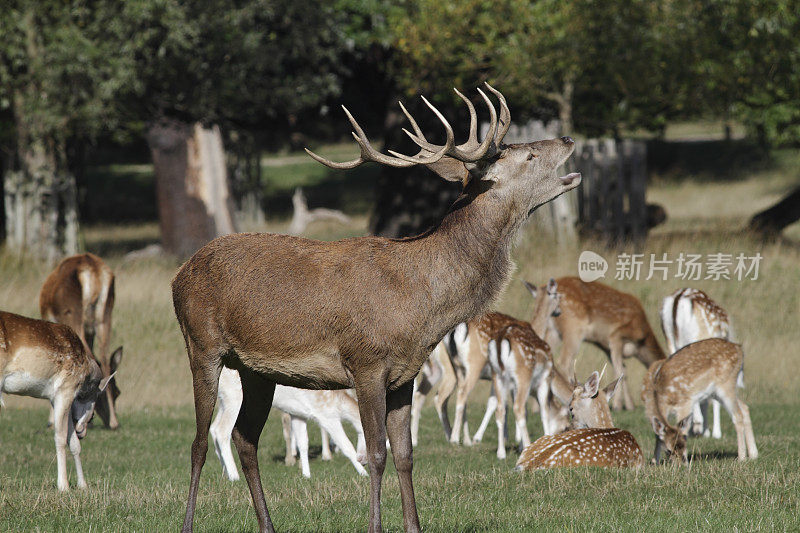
450,169
685,425
592,385
611,388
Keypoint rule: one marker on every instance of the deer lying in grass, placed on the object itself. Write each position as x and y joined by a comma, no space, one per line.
711,368
361,313
612,320
49,361
326,408
471,341
80,294
593,442
687,316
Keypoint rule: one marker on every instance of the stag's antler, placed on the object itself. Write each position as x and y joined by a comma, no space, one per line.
468,152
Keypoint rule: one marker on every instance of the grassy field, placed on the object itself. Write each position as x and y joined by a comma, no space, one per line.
138,476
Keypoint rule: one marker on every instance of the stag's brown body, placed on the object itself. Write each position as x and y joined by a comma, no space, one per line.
80,294
362,313
612,320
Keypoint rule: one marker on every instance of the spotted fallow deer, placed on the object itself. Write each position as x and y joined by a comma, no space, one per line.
610,319
361,313
326,408
687,316
437,370
711,368
80,294
49,361
593,441
470,357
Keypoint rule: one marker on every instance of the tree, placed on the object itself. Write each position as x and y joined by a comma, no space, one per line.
60,70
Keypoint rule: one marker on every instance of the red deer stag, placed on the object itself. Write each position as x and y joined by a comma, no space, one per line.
361,313
612,320
46,360
80,294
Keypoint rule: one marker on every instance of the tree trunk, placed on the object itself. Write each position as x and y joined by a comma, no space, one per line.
39,193
773,220
191,185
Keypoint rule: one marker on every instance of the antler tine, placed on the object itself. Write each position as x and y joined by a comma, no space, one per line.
505,115
417,130
345,165
473,119
488,141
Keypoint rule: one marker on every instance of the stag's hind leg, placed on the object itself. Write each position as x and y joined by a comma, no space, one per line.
205,380
257,395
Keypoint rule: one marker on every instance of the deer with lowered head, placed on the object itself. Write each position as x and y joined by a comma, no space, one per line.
49,361
612,320
711,368
690,315
80,294
361,313
593,441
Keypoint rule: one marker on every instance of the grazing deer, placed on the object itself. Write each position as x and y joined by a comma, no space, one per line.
326,408
80,294
605,447
711,368
470,356
361,313
612,320
49,361
593,441
687,316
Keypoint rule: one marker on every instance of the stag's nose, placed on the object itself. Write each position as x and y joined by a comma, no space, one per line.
567,140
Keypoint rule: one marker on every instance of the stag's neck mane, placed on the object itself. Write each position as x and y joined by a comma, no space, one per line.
467,258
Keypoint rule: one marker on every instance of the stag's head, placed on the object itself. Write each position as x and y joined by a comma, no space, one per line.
589,404
82,408
522,176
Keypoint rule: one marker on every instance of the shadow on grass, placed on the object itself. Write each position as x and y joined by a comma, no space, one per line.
710,160
716,455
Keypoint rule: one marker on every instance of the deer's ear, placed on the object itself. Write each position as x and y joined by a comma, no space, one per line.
658,426
685,425
592,385
450,169
116,359
552,286
534,290
611,388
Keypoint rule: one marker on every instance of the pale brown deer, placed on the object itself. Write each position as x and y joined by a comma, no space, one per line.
690,315
49,361
80,294
470,356
711,368
610,319
593,441
361,313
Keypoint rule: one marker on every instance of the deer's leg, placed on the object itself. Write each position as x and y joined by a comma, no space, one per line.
699,417
230,401
300,433
75,450
520,411
571,338
205,380
500,415
256,402
421,391
615,349
61,415
288,438
464,390
657,451
326,445
716,431
371,392
339,437
543,395
491,406
750,439
446,387
107,397
398,405
731,403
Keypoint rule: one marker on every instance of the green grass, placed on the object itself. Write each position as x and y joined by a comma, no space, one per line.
138,479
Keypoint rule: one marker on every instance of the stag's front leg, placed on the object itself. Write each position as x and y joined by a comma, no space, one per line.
371,391
75,448
61,412
398,404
